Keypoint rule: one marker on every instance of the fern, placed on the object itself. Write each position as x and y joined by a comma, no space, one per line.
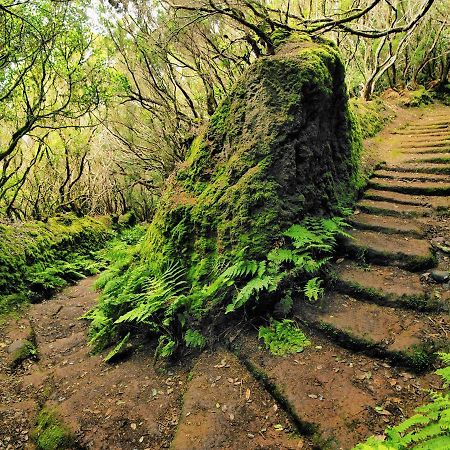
428,429
241,269
158,292
284,337
137,296
118,349
262,283
194,338
313,289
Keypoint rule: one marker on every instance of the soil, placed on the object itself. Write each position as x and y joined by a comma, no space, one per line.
359,375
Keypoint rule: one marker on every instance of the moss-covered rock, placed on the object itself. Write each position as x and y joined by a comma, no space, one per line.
20,351
50,433
282,146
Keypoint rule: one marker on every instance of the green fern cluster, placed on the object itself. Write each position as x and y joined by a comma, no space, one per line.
283,337
309,247
428,429
137,296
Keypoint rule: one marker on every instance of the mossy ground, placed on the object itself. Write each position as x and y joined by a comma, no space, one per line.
50,433
39,258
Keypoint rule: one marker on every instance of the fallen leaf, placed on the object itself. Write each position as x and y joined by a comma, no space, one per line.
247,394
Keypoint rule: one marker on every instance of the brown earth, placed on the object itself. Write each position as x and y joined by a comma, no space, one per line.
373,338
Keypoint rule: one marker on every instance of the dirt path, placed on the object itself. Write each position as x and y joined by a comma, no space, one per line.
374,338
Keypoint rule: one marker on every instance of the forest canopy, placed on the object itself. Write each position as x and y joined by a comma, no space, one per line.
100,101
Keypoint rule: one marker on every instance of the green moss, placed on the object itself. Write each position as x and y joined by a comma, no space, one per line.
26,351
35,256
372,116
50,433
282,146
419,97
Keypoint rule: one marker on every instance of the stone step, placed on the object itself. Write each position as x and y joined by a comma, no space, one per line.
425,133
334,390
410,187
398,175
225,407
404,337
435,201
433,151
386,224
415,167
390,249
396,197
441,125
387,286
442,158
427,144
393,209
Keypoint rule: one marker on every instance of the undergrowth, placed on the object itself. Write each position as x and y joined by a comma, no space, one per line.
136,297
283,337
428,429
39,258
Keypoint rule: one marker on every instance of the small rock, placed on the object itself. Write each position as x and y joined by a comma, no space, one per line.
440,276
20,351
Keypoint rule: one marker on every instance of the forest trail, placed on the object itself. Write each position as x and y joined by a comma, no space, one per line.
373,340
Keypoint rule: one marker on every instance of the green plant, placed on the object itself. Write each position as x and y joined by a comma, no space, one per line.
428,429
309,249
118,349
137,296
282,338
37,259
194,338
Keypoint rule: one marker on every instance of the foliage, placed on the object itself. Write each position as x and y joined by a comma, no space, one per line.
37,258
54,81
311,244
136,296
118,349
372,116
419,97
428,429
282,338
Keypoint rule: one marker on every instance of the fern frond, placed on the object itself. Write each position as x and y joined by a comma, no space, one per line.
282,255
241,269
444,357
313,289
444,373
118,348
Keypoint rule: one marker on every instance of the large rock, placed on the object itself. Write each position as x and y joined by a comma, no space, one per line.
282,146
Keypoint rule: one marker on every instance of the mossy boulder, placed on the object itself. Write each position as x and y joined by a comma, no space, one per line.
51,433
20,351
282,146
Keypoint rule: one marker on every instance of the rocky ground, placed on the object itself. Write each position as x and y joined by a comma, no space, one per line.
374,337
